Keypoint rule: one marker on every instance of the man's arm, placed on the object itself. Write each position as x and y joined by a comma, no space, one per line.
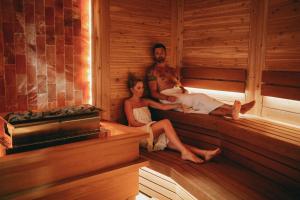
154,91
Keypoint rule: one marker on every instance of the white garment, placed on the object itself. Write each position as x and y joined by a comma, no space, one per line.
197,102
143,115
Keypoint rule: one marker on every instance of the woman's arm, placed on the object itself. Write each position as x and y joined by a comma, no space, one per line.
161,106
129,115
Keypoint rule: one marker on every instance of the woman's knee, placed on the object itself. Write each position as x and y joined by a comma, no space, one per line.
166,122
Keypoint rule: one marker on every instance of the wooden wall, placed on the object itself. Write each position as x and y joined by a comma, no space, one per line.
243,34
282,54
134,26
249,34
216,34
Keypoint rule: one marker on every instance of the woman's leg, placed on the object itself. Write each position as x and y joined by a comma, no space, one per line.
206,154
165,126
226,110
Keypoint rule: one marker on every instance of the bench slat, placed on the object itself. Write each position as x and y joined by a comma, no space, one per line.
280,91
214,73
283,78
219,179
258,144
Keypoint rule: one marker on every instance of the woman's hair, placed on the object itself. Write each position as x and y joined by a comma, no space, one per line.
133,80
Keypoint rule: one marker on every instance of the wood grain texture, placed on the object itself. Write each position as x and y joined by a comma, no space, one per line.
258,144
283,41
135,26
219,179
214,73
216,34
55,169
281,91
283,78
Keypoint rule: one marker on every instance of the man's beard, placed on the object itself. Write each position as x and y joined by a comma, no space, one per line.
160,60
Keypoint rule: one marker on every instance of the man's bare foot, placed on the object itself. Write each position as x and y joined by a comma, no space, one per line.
236,110
247,106
191,157
211,154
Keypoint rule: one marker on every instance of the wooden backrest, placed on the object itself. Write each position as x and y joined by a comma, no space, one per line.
281,84
214,78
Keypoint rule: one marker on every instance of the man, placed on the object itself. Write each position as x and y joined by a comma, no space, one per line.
165,86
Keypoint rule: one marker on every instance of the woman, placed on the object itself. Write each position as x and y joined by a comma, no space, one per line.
161,133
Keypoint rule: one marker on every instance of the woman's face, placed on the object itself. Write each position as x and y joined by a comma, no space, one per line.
138,89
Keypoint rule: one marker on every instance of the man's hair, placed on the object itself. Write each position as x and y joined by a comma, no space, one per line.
157,46
133,80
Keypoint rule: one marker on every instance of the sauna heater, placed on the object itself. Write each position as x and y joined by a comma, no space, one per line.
32,130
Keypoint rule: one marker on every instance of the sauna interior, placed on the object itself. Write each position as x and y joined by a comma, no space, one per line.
68,56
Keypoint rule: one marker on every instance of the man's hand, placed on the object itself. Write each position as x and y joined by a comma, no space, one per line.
171,98
185,108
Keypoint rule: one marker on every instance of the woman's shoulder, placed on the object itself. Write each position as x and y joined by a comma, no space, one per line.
128,101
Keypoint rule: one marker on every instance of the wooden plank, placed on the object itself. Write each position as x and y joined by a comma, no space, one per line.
157,187
281,92
287,105
103,42
96,49
257,46
203,181
212,34
215,85
104,184
288,173
283,78
281,116
193,137
133,29
152,193
214,73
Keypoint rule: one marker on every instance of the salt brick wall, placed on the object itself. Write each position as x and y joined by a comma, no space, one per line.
43,54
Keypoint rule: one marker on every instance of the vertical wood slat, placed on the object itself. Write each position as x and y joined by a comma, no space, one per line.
257,48
96,50
100,52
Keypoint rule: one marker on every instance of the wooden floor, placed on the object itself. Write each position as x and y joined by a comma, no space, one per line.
218,179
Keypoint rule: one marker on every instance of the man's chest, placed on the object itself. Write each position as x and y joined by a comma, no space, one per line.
164,73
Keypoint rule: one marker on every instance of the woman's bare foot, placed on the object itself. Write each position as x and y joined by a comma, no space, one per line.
236,110
191,157
247,106
211,154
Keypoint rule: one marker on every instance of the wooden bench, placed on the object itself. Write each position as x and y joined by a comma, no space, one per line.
255,153
100,168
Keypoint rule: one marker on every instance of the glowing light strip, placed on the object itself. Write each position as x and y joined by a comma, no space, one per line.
90,51
218,94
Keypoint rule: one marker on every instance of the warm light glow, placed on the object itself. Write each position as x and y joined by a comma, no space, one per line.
89,71
223,96
282,104
247,116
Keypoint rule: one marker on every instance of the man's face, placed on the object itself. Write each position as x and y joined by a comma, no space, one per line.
159,55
